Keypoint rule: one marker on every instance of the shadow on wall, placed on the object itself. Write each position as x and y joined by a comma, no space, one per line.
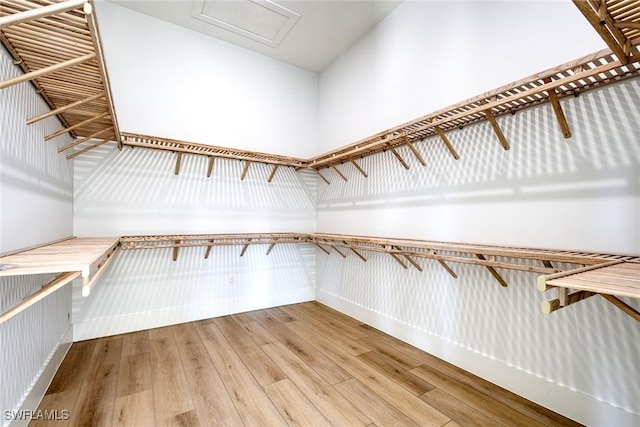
34,178
29,339
136,191
601,159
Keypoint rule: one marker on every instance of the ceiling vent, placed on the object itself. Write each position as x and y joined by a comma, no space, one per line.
260,20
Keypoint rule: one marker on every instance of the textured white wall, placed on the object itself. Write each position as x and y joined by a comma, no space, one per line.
36,207
135,191
171,82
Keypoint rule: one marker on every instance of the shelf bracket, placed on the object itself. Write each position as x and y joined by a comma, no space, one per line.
339,173
178,163
555,304
244,248
321,247
210,166
322,176
247,163
622,306
446,142
65,108
496,128
208,251
445,265
399,261
557,109
357,166
355,252
175,249
414,150
493,272
271,247
408,258
273,173
335,249
397,155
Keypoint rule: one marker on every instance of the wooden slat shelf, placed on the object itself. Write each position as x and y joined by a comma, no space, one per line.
177,241
77,254
609,274
212,152
613,279
569,79
57,45
622,279
77,257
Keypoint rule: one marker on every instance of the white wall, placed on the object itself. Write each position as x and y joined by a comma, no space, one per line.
175,83
427,55
36,207
135,191
582,193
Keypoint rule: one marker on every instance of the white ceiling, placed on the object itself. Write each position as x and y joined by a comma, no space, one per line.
323,31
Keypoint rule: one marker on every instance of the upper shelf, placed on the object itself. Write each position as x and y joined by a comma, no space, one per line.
569,79
57,44
58,47
621,279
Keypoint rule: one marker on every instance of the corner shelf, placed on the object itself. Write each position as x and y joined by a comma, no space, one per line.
76,257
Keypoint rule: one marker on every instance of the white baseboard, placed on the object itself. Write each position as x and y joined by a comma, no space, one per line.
102,327
573,404
39,388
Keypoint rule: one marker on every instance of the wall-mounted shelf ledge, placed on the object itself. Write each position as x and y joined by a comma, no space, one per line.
620,278
78,257
610,275
212,152
569,79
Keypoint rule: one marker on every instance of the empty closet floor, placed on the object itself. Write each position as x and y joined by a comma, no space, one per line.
302,364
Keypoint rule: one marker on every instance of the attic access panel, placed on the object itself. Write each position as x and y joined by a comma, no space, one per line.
261,20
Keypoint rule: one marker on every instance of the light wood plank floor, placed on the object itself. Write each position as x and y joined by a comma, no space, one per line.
302,364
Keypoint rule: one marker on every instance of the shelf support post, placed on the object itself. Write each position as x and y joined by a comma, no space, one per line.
493,272
496,128
557,109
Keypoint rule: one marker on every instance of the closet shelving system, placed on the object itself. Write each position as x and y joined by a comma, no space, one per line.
57,46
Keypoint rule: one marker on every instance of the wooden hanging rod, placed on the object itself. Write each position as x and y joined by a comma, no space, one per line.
33,14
